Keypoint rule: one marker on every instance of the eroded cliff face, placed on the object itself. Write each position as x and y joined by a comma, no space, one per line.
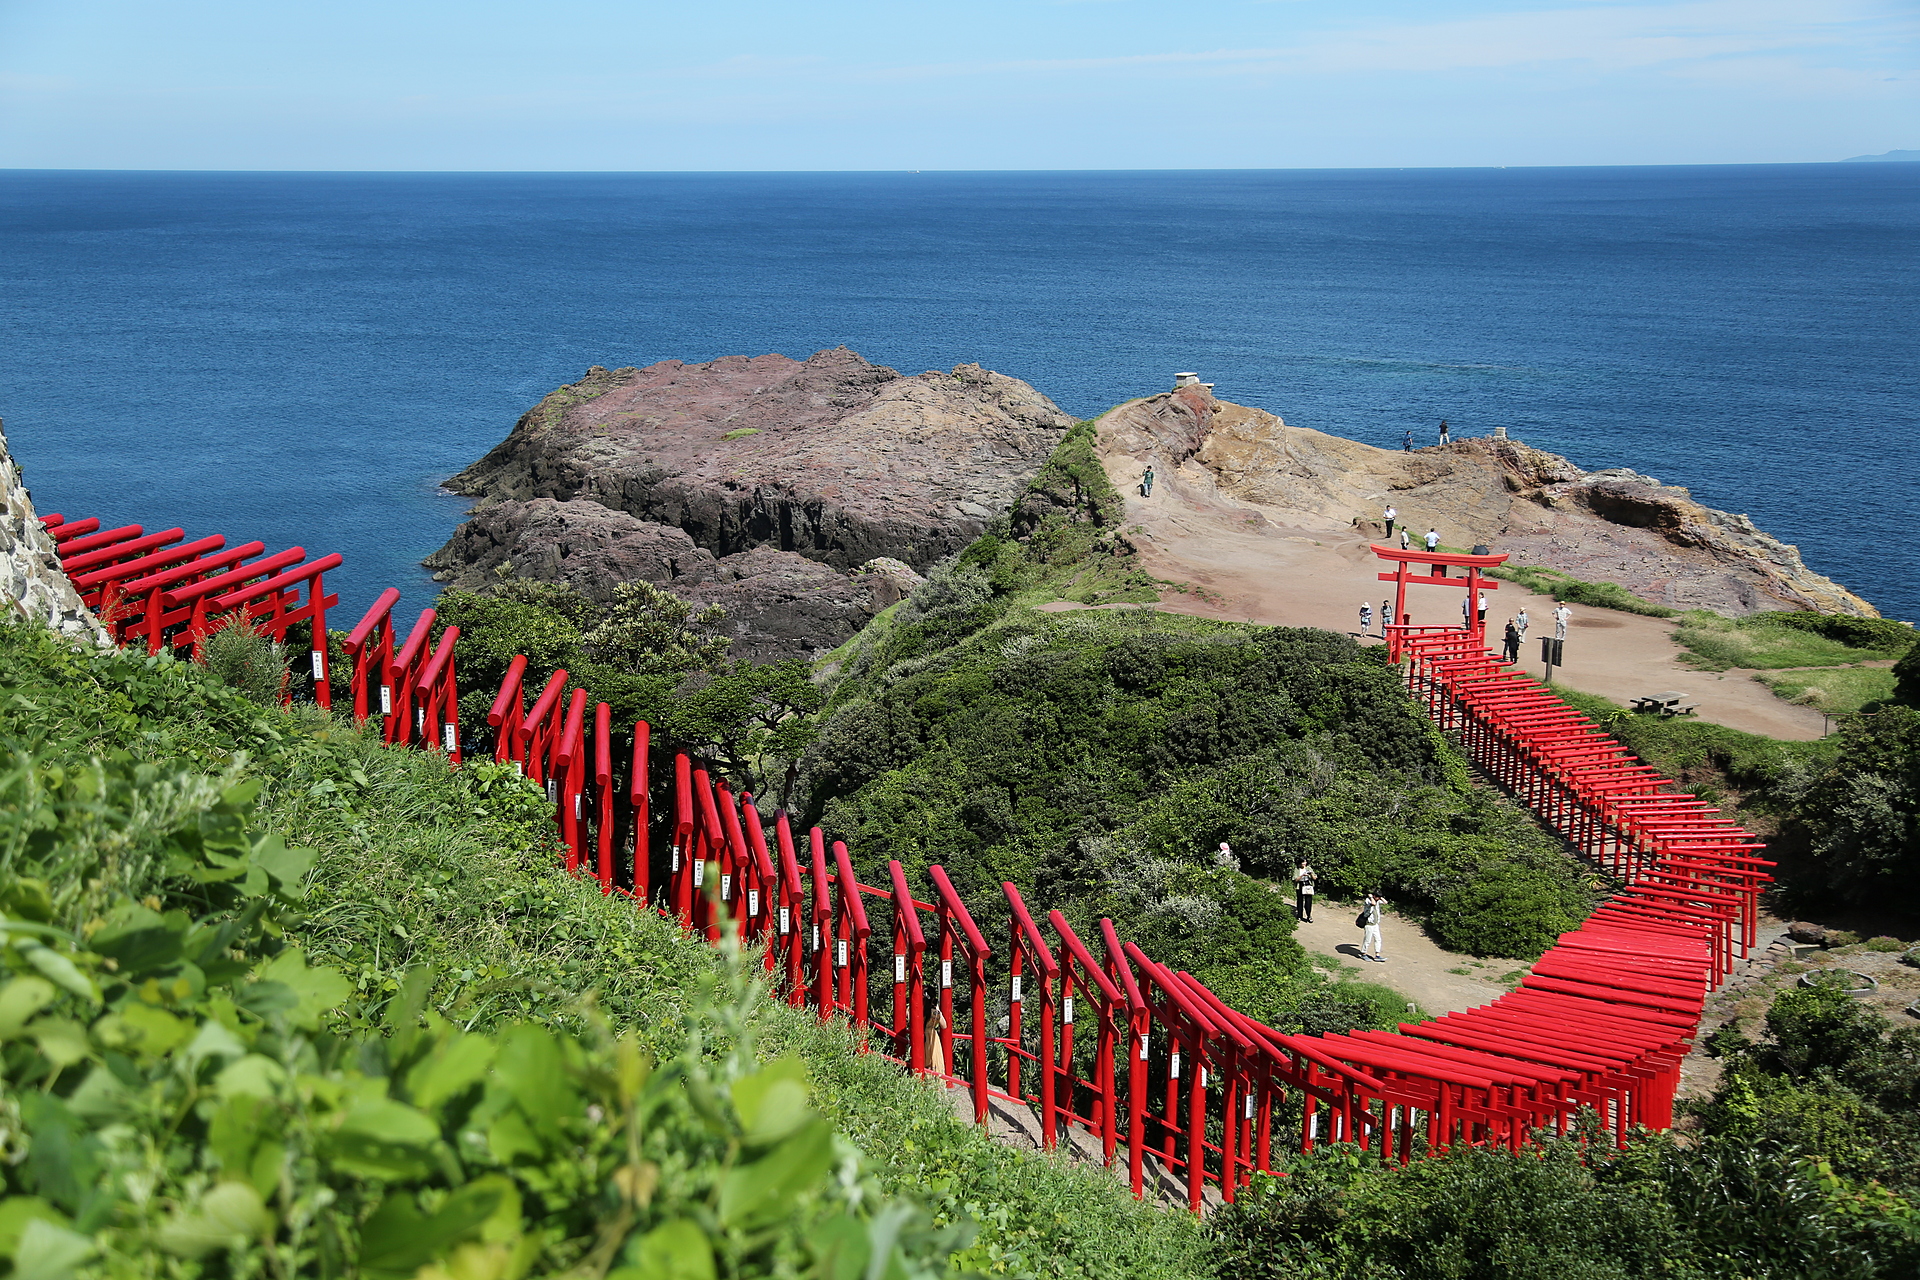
813,470
32,582
1606,526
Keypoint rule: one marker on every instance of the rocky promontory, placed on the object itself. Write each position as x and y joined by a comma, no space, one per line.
803,495
1611,525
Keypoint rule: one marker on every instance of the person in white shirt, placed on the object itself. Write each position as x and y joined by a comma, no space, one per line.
1303,883
1560,615
1520,623
1392,515
1370,945
1433,539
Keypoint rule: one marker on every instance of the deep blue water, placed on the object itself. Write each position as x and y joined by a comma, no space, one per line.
302,357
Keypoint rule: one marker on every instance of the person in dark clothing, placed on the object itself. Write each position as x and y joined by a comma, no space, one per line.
1408,446
1444,437
1513,642
1303,885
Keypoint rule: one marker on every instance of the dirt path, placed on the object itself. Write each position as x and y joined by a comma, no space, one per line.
1263,565
1416,966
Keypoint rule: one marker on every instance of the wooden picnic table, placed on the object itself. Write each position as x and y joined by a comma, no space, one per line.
1668,703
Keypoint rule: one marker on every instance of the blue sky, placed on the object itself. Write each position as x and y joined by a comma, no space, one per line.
996,84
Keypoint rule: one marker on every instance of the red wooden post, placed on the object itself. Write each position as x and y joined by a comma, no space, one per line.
603,792
641,802
506,715
570,767
377,622
793,901
680,885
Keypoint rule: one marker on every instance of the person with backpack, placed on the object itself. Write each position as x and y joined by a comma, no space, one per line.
1146,482
1369,922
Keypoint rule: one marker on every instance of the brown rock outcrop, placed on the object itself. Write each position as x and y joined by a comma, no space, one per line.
802,495
1606,526
832,458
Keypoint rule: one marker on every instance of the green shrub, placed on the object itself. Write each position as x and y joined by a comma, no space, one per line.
1509,911
248,662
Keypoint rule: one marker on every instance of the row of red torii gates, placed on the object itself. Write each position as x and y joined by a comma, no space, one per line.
1133,1063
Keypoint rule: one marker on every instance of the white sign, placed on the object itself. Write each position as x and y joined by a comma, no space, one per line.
386,700
726,887
785,921
1143,1048
1067,1010
753,902
841,951
946,973
699,873
1176,1065
899,967
319,665
450,737
1016,988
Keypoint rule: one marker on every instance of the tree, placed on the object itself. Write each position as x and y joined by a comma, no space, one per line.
750,718
648,631
1861,818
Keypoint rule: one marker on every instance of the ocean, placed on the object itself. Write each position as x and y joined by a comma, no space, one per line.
302,358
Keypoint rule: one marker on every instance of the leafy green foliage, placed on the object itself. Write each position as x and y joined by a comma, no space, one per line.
650,656
420,868
180,1082
1859,819
1097,760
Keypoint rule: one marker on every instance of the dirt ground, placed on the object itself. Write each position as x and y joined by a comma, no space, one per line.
1435,980
1246,564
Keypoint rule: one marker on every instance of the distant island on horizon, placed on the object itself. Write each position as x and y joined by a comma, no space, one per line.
1897,156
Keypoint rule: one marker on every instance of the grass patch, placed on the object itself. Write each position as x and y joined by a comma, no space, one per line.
1837,691
1772,641
1564,586
741,433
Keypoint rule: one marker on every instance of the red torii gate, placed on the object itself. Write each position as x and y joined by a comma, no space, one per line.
1439,565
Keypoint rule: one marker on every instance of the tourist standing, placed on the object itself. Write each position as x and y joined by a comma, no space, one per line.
1386,616
1560,616
1520,624
1370,944
1433,539
1513,642
1483,609
1366,619
1391,515
1406,538
1303,883
1408,446
1146,482
1444,437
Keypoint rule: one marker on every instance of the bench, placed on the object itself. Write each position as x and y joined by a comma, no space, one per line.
1680,708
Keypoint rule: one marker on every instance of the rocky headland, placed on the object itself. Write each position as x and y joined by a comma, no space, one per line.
802,495
806,496
1612,525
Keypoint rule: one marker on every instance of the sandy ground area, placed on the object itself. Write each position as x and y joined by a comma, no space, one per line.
1416,966
1246,564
